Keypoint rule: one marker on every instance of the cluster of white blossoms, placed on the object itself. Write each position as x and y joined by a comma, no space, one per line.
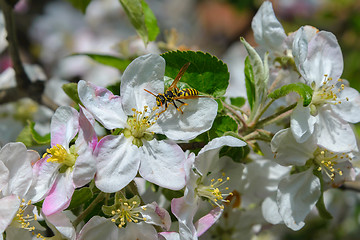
135,180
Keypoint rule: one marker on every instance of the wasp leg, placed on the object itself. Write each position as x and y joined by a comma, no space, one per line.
166,106
182,104
177,108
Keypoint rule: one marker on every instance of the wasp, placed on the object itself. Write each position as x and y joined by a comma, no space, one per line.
173,93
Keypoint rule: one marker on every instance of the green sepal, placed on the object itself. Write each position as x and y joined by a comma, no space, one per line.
302,89
80,4
142,18
206,73
79,197
71,89
109,60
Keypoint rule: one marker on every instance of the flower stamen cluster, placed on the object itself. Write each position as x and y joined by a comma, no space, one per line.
214,192
24,221
138,124
60,155
326,93
326,160
127,212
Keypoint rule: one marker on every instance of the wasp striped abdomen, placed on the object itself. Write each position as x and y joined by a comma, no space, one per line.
188,92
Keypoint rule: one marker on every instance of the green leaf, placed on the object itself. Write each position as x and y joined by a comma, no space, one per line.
238,101
80,4
142,18
71,90
109,60
206,73
79,197
170,194
302,89
39,139
30,137
150,22
25,137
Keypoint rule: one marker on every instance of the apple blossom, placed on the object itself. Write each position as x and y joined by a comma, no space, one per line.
333,106
65,167
119,157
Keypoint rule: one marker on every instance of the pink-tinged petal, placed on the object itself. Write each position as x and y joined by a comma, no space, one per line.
87,135
334,133
185,211
268,31
117,161
84,169
103,104
99,228
207,159
289,152
4,175
145,72
204,223
44,175
15,158
162,163
324,56
138,231
64,126
60,194
296,196
302,123
156,215
198,117
9,206
62,224
350,105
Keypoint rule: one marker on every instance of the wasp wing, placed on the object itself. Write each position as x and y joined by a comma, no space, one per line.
179,75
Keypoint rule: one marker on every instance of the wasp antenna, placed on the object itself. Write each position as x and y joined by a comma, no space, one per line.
150,92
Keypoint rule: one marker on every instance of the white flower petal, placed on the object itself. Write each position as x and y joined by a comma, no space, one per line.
60,194
198,117
324,56
99,228
84,169
105,106
300,43
268,31
350,105
334,133
185,211
44,175
209,155
9,205
302,123
145,72
117,164
297,195
270,210
4,175
162,163
64,126
170,235
288,151
62,224
156,215
138,231
15,158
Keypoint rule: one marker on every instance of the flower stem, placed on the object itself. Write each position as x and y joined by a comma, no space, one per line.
82,216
